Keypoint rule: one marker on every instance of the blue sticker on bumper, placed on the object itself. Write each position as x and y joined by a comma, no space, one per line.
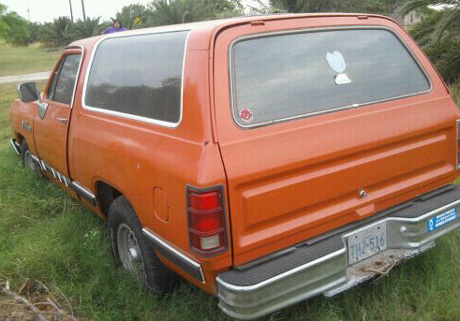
442,219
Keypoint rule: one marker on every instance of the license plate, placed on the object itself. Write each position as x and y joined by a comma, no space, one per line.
366,243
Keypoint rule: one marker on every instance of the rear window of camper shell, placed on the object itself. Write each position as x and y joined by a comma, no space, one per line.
282,76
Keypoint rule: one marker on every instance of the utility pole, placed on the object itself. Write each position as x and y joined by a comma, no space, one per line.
71,12
28,14
83,10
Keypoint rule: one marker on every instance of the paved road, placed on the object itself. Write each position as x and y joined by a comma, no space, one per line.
25,77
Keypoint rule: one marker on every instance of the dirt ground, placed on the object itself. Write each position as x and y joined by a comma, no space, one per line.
32,301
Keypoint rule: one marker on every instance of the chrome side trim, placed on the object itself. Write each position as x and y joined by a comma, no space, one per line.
234,108
36,159
84,192
15,146
43,165
185,263
126,115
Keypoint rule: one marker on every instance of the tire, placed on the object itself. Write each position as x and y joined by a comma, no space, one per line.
26,157
131,251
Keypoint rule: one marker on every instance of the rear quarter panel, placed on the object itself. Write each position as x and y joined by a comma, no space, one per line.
151,165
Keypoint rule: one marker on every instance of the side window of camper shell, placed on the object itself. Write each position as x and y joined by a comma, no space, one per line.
138,77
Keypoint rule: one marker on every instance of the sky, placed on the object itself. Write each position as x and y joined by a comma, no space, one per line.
47,10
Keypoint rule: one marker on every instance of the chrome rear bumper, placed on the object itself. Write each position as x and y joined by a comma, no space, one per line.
252,292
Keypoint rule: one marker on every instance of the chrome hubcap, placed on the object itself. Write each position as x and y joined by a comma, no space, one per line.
129,251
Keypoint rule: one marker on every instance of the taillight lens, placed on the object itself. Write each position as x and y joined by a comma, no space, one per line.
206,220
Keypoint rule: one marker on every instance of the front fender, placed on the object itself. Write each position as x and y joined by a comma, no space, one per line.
22,116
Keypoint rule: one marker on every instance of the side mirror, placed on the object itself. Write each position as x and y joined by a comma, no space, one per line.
28,92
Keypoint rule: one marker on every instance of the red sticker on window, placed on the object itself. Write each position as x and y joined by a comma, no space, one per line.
246,115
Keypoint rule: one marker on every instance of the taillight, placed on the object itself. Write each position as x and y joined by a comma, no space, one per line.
458,144
206,220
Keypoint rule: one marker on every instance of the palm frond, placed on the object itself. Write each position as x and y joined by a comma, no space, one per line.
449,19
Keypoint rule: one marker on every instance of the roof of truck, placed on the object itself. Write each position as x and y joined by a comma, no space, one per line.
212,26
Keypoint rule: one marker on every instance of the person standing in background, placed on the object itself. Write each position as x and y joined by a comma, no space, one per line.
116,27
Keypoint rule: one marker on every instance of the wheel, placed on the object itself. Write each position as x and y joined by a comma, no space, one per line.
131,251
27,159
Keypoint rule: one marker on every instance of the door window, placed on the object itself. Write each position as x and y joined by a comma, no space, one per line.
63,83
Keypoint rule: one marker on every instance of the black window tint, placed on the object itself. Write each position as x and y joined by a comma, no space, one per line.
281,76
139,75
52,87
66,79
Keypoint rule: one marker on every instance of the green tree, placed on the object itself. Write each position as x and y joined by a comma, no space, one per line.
3,25
57,33
84,29
18,32
179,11
447,21
439,35
133,16
293,6
34,31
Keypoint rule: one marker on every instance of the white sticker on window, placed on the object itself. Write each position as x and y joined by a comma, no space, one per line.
337,63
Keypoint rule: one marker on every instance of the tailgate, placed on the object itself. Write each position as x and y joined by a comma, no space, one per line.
293,179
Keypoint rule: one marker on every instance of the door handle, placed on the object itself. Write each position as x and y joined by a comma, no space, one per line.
62,120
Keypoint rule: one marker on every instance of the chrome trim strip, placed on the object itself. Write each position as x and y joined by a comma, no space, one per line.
35,158
234,108
43,165
126,115
84,192
188,261
15,146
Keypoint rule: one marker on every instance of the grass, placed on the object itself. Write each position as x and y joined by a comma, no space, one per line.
46,236
23,60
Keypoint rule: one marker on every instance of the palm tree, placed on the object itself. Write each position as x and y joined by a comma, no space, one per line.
448,20
439,35
57,33
87,28
133,16
375,6
180,11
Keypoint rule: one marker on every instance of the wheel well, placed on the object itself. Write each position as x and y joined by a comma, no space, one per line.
106,194
20,138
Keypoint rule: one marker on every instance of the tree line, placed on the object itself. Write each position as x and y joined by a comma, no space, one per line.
18,31
438,34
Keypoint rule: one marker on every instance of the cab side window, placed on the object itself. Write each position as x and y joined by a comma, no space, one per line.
63,83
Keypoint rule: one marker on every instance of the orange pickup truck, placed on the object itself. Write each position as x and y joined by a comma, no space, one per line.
264,159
